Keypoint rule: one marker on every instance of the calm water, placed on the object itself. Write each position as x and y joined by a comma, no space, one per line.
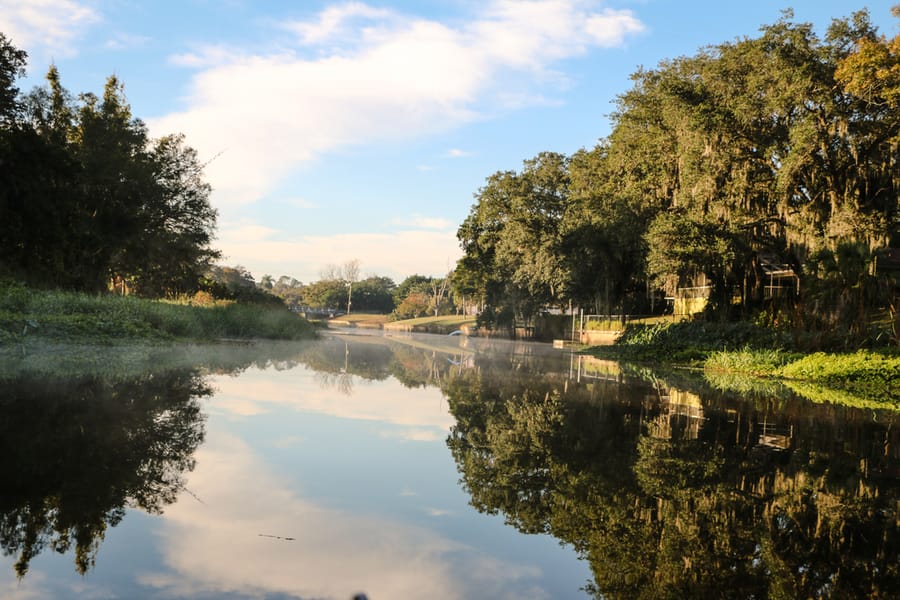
431,467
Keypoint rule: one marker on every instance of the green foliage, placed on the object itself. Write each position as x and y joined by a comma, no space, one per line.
604,325
236,283
513,239
774,150
747,360
413,305
89,202
326,294
867,374
863,378
745,502
374,294
687,341
12,66
27,314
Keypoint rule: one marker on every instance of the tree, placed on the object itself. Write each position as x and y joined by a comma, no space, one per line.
602,238
267,282
439,288
237,283
89,202
178,223
513,241
350,272
12,66
325,293
414,305
374,294
413,283
290,290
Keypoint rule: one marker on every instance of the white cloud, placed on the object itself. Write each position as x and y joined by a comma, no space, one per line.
206,56
385,403
420,222
45,26
223,546
126,41
457,153
334,22
374,75
396,255
611,26
33,587
244,233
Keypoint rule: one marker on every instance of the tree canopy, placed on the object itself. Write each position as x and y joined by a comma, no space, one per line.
776,150
88,200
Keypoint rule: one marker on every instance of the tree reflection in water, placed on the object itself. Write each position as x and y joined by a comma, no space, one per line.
672,494
76,451
667,490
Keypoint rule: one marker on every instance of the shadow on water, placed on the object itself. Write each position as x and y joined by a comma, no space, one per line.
669,484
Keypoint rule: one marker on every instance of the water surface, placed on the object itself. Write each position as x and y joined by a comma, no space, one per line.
415,466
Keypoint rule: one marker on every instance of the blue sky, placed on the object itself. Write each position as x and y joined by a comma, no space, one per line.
361,130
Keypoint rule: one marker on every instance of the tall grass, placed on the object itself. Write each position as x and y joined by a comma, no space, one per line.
733,354
864,375
686,342
749,360
69,316
871,374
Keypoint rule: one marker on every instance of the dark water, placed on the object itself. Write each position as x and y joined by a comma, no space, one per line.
431,467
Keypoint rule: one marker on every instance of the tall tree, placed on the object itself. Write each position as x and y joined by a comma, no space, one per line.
88,199
175,243
12,66
513,240
350,273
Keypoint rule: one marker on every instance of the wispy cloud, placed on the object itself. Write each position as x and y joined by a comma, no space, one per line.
222,547
337,23
457,153
45,26
301,203
126,41
206,56
357,74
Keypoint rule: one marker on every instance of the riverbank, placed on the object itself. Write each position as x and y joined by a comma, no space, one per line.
27,314
731,353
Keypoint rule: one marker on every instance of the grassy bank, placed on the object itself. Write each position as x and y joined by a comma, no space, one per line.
364,320
686,342
443,324
73,317
743,352
867,374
